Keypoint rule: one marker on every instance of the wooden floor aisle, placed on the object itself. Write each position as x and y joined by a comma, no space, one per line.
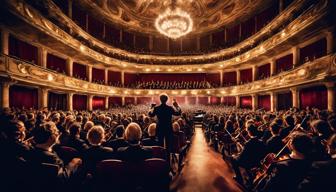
204,170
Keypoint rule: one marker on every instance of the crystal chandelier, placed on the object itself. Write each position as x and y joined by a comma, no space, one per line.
174,23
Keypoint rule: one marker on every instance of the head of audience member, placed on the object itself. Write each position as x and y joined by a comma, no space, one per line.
15,131
96,135
88,125
101,118
74,130
79,119
176,127
119,131
289,120
322,128
332,124
152,130
133,133
301,145
164,98
229,125
252,130
46,135
275,129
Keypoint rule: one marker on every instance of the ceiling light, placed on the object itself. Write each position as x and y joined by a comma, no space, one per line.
174,23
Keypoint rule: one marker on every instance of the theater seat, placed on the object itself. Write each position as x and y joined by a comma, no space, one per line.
66,153
159,152
156,172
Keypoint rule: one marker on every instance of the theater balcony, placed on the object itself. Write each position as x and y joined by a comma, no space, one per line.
58,54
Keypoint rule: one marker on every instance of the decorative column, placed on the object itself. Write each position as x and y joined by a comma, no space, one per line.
5,94
295,97
43,97
89,73
106,102
69,67
123,101
70,101
222,100
237,101
281,6
135,100
221,78
274,101
4,42
197,100
296,56
330,42
254,102
89,102
254,73
273,67
185,100
331,96
238,77
70,9
209,100
106,77
122,78
42,57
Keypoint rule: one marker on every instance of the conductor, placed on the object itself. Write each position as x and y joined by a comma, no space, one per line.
164,113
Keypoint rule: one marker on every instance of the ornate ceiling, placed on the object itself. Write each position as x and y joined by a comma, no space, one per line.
139,15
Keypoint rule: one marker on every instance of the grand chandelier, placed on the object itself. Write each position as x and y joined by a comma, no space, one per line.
174,23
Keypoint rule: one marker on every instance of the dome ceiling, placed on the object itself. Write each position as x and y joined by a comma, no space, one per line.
139,15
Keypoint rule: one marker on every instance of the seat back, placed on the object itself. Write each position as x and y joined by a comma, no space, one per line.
159,152
66,153
156,174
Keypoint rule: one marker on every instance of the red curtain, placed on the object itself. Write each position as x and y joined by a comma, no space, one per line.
314,97
232,34
115,101
229,101
218,39
98,75
264,102
57,101
79,16
313,51
171,77
129,101
79,102
79,71
284,101
248,28
264,71
284,63
114,77
142,42
203,100
22,50
23,97
56,63
215,100
213,78
98,103
246,75
130,78
144,100
205,43
191,100
95,27
246,102
229,78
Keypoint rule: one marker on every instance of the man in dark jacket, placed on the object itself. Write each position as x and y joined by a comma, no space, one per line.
164,115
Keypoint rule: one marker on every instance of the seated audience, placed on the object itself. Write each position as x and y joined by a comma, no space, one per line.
151,140
74,140
274,144
119,141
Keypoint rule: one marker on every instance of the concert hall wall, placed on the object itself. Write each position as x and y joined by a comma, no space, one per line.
173,77
79,70
203,100
246,102
56,63
215,100
246,75
314,50
213,78
229,78
191,100
98,103
22,50
284,101
314,97
95,27
98,75
229,101
144,100
114,77
264,102
129,101
79,15
20,96
79,102
57,101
